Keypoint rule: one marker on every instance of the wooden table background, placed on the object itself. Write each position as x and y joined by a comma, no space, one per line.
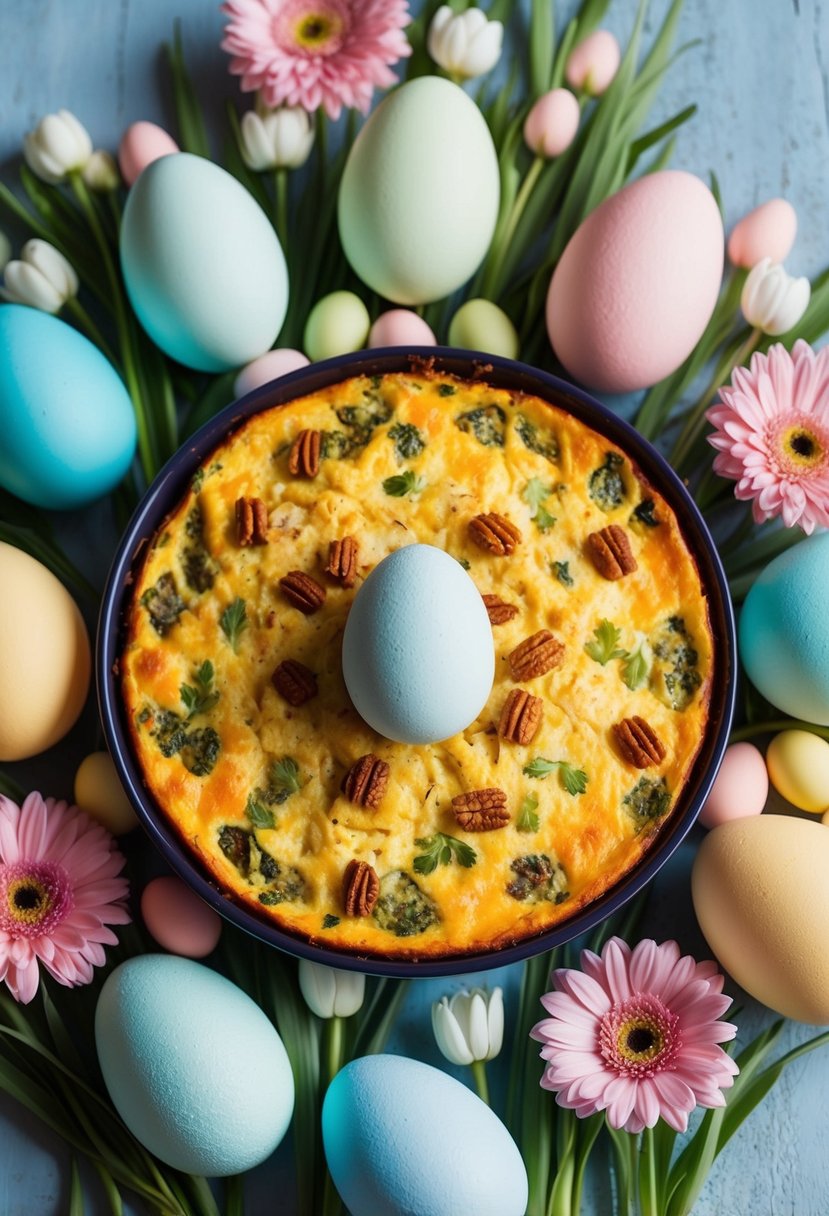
759,77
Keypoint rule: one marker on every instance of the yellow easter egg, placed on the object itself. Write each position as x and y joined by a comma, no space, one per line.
798,764
99,792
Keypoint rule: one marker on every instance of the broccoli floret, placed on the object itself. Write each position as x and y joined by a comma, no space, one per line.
648,800
645,514
536,438
197,564
675,676
487,423
235,844
200,751
163,603
538,878
407,439
402,908
605,485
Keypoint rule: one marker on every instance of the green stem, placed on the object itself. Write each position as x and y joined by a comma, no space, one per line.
478,1069
648,1198
145,444
334,1047
695,420
774,727
491,280
280,187
20,212
10,788
79,314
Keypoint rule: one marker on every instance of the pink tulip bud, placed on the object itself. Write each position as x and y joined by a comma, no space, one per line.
766,232
141,144
593,63
552,123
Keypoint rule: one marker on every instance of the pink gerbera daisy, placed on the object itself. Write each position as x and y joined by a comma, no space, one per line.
635,1033
312,53
773,435
58,892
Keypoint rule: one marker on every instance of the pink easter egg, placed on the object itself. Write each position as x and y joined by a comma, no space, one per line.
178,920
400,327
592,64
740,788
637,283
141,144
267,367
552,123
766,232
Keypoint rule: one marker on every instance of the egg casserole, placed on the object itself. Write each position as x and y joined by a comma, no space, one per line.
240,719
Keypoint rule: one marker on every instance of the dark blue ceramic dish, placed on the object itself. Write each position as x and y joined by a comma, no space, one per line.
164,495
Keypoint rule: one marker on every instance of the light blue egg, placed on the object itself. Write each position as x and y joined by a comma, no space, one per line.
194,1068
66,420
402,1137
784,631
418,657
203,268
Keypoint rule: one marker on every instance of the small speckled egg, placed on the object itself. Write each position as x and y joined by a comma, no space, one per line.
66,419
784,631
337,324
400,327
99,792
762,901
203,268
419,193
141,144
178,920
798,764
44,657
418,658
403,1137
740,787
270,366
637,283
193,1067
482,325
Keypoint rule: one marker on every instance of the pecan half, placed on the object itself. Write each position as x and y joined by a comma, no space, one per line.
535,656
342,560
481,810
304,457
638,742
251,522
498,610
365,782
361,886
520,717
304,592
294,682
495,533
610,552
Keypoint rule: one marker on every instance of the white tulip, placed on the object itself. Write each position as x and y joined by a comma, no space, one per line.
101,172
329,992
276,139
464,44
772,300
469,1026
5,250
58,145
42,278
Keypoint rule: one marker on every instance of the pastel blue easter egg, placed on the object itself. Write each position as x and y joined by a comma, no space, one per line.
66,420
418,657
403,1137
784,631
203,268
419,193
194,1068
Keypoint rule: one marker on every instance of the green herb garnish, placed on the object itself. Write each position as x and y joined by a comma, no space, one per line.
527,818
446,390
439,850
562,572
260,815
234,621
645,513
573,779
606,645
637,665
535,492
403,483
329,921
464,561
284,776
201,698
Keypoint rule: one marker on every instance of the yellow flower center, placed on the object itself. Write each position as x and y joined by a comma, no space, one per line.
314,31
802,447
639,1039
28,900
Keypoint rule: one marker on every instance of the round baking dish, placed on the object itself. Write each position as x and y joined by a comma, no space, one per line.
167,490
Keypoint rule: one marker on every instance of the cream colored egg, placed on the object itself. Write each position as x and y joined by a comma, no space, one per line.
44,657
99,792
762,901
798,764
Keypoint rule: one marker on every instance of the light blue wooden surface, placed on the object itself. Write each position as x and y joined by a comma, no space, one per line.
759,76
